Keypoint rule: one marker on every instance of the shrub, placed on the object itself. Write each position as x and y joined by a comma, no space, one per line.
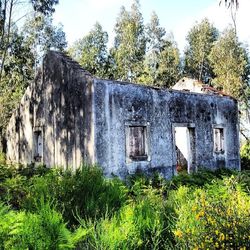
7,171
7,218
200,178
218,216
42,230
13,191
2,158
86,193
89,194
142,223
245,156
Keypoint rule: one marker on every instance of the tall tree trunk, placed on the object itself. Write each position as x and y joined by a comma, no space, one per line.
8,39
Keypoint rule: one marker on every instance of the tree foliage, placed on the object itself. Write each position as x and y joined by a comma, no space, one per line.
142,54
230,64
41,35
91,52
18,48
130,44
200,41
162,61
230,3
46,7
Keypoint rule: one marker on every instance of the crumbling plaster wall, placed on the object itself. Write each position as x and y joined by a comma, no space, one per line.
59,104
84,119
117,103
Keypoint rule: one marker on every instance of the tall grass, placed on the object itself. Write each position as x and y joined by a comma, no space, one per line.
42,230
53,209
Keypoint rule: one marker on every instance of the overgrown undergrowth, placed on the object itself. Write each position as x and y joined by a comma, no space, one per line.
50,209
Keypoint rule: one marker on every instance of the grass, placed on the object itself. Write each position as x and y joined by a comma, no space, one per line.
50,209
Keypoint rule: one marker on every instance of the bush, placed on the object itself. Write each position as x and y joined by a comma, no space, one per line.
13,191
207,209
2,158
7,171
245,156
143,223
86,193
42,230
218,216
200,178
7,218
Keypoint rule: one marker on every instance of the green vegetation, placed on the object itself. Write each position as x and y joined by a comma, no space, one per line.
26,33
200,42
245,156
44,208
230,63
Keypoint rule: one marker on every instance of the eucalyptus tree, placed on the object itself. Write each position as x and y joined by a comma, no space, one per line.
8,21
91,52
230,63
16,57
129,45
41,35
230,3
200,41
162,60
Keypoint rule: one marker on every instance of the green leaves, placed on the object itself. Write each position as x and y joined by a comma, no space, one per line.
140,53
230,64
44,229
91,52
162,61
245,156
200,41
22,48
217,215
46,7
130,44
40,35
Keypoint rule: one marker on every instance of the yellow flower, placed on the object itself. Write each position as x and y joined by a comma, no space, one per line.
194,208
200,214
222,237
178,233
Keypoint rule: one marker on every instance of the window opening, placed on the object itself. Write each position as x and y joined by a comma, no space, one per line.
219,140
38,146
137,144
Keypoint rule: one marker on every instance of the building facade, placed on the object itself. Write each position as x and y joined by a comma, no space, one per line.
68,117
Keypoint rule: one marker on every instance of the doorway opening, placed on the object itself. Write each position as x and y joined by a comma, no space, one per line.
185,148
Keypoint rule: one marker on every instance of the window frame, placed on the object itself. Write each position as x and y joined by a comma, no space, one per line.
146,128
38,156
221,134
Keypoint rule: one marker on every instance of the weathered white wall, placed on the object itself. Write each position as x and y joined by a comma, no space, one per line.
84,119
117,103
59,103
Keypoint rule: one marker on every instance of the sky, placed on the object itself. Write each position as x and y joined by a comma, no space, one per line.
176,16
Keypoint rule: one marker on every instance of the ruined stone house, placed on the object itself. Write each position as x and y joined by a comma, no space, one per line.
192,85
68,117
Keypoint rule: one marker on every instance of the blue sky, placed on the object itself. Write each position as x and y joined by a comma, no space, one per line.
176,16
